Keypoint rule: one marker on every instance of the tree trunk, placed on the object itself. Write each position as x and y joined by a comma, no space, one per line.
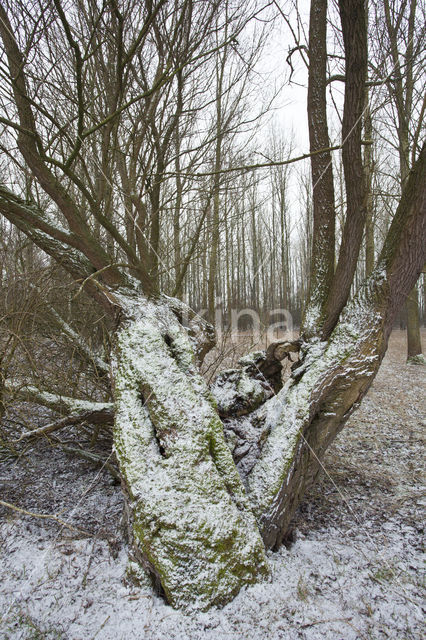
305,417
191,524
353,19
414,343
368,173
196,524
322,260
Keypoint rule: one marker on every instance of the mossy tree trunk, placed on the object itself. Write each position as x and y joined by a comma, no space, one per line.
192,526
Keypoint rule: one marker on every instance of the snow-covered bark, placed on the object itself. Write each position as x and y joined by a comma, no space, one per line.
192,525
304,418
240,391
311,409
57,402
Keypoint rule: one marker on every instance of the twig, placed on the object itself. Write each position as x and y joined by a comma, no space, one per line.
45,516
101,627
92,457
312,624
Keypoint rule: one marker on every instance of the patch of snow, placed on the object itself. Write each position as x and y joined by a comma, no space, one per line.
325,587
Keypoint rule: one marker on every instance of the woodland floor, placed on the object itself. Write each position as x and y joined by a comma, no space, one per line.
353,571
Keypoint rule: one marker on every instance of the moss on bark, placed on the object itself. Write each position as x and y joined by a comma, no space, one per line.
192,523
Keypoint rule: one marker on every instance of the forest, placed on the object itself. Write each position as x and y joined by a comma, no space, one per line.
212,240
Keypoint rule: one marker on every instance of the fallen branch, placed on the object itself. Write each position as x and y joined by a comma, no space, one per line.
101,416
57,402
281,349
240,391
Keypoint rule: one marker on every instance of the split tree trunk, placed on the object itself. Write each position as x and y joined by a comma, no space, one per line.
197,525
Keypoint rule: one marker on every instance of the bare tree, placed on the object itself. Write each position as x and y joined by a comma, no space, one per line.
200,522
402,43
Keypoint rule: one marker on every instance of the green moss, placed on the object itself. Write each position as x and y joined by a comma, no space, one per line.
418,359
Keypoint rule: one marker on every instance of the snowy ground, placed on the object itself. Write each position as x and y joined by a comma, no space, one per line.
354,570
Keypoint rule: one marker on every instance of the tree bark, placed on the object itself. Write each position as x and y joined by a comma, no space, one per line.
322,261
368,176
353,19
414,343
191,523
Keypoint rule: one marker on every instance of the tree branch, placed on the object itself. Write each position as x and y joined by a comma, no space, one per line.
45,516
101,416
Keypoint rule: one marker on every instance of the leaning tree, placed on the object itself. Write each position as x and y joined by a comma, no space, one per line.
201,514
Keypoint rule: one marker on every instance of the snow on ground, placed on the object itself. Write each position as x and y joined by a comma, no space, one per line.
353,571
